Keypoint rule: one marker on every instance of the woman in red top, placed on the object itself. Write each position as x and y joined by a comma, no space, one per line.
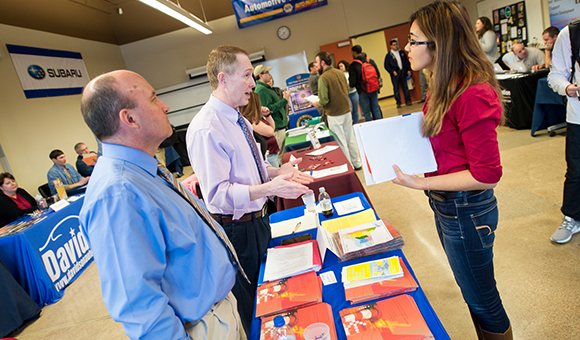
461,115
14,201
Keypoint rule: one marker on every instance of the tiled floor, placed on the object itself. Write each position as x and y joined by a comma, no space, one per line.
538,280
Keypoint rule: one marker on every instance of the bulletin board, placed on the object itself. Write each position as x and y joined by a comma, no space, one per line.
510,25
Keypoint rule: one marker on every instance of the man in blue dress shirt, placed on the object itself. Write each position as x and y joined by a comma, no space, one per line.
164,272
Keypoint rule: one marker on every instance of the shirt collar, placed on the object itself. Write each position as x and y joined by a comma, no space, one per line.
134,156
224,109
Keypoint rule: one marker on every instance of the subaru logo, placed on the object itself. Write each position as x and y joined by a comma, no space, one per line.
36,72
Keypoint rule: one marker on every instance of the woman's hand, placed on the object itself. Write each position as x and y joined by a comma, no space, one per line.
409,181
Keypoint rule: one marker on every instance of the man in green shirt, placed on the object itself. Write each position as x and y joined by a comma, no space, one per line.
270,99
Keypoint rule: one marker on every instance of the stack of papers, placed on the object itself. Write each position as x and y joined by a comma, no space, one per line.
297,131
407,148
371,272
367,239
385,288
293,259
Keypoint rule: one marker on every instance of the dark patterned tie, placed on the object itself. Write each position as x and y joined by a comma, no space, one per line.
251,141
166,175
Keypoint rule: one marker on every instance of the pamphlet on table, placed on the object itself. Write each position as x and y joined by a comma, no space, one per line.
372,271
382,289
312,322
393,318
367,239
290,293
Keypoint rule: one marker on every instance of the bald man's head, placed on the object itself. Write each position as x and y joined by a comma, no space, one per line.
520,50
102,100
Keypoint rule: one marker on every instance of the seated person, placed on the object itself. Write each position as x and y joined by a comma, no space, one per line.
73,182
85,166
529,56
14,201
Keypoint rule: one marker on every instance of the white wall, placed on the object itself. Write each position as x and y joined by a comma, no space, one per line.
162,60
31,128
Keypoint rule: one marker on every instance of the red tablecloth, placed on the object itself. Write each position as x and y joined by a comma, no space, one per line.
336,185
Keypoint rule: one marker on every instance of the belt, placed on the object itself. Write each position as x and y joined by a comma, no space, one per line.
443,196
245,217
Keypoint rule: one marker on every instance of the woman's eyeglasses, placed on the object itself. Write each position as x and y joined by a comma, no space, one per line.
415,43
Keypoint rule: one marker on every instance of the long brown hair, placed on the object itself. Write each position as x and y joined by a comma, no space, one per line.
252,111
458,59
486,27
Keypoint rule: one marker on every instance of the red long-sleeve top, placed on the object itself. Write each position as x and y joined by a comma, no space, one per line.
468,137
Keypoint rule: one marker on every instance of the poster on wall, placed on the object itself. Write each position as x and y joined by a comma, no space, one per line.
563,12
253,12
48,73
510,26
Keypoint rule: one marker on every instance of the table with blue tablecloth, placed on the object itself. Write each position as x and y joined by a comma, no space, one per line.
334,294
549,107
49,255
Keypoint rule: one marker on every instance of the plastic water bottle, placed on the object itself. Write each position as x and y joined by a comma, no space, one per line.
282,331
325,204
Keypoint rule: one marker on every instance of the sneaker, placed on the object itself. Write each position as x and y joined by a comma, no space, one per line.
409,104
358,168
568,228
398,106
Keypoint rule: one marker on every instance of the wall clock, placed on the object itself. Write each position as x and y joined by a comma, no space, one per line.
283,32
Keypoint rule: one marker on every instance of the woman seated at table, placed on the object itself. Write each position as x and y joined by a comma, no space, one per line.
14,202
263,125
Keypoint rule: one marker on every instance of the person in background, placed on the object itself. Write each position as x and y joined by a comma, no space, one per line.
369,101
14,201
165,266
274,103
313,84
549,36
531,57
235,180
559,80
263,124
333,95
343,65
84,166
397,64
461,115
73,181
487,40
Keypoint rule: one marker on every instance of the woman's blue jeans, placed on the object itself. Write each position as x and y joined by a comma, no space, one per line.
466,228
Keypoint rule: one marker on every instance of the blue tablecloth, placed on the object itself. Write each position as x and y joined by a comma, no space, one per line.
549,107
334,294
49,255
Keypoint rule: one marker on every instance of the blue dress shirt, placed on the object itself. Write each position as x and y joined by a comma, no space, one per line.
159,264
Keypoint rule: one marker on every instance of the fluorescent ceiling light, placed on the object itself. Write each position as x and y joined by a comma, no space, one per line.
179,13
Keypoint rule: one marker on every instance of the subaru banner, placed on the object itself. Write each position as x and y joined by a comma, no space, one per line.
48,73
253,12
